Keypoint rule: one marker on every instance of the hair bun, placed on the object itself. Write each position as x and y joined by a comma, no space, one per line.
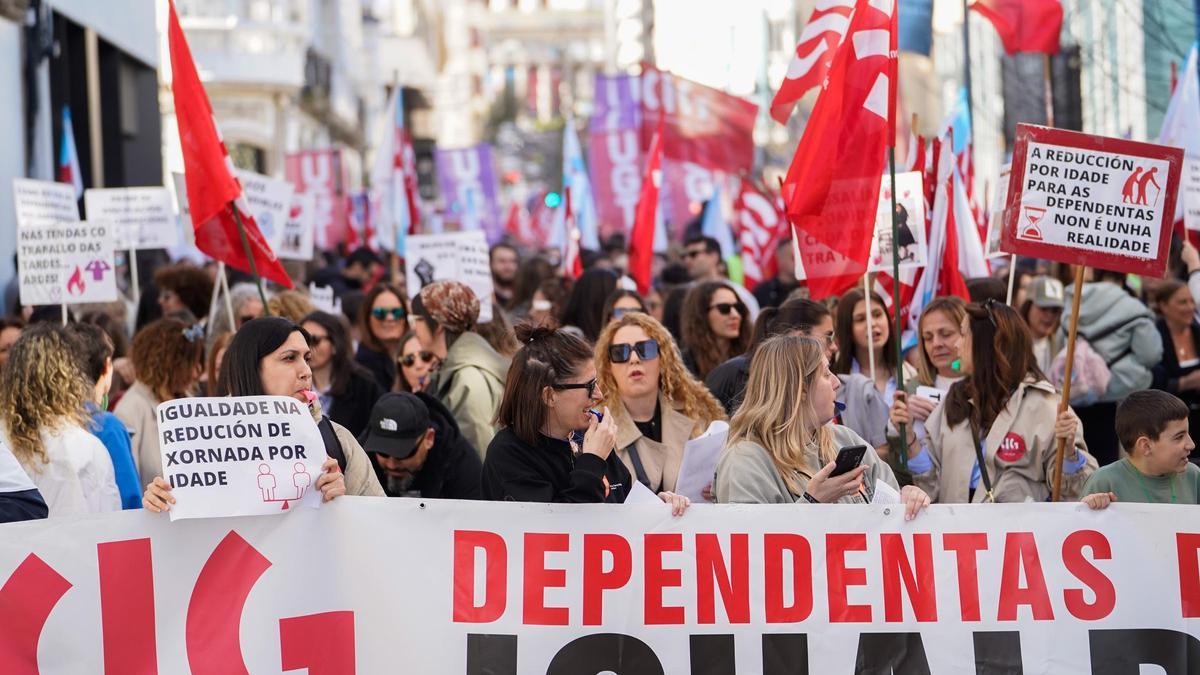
535,331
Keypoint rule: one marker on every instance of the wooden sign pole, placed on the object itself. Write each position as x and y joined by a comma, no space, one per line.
1065,401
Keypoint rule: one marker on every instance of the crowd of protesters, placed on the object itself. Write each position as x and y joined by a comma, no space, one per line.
577,390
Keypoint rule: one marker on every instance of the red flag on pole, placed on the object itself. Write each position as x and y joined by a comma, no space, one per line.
818,43
572,262
213,191
832,186
641,237
1024,25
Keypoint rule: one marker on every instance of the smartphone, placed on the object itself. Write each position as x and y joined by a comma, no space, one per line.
847,459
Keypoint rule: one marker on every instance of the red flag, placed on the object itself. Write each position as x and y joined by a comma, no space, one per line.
832,186
213,191
572,262
815,50
763,225
1024,25
641,237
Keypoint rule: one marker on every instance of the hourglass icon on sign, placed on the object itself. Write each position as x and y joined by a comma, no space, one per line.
1034,215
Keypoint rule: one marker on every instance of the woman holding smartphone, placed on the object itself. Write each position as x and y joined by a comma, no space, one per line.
782,448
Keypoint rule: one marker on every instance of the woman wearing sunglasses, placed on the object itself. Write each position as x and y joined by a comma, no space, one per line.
382,321
656,404
994,438
715,326
470,380
416,365
346,390
553,445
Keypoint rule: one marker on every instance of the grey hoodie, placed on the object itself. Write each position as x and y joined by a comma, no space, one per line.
1122,331
470,383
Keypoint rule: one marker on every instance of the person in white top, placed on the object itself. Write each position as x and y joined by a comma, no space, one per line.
42,417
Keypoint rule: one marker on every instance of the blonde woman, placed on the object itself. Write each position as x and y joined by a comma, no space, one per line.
781,446
657,405
42,399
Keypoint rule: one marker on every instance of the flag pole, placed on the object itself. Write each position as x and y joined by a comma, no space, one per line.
1064,402
133,276
870,330
893,91
262,294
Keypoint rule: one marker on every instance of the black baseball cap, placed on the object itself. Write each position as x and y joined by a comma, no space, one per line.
398,421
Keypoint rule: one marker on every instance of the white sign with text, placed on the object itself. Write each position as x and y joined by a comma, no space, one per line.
454,256
142,217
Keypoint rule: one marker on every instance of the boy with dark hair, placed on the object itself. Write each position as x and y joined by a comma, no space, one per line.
1152,426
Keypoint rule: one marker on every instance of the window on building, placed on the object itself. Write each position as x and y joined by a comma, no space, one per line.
248,157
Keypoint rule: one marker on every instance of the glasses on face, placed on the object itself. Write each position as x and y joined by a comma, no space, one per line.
724,308
382,313
590,386
409,359
647,350
619,312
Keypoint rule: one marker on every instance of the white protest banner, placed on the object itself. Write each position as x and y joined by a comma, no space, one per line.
910,207
454,256
1090,200
996,222
239,456
41,202
66,263
561,589
322,298
295,241
270,203
142,217
1189,194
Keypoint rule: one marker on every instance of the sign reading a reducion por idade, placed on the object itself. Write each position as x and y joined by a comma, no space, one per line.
1090,200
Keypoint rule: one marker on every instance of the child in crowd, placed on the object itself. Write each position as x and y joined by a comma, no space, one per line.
1152,427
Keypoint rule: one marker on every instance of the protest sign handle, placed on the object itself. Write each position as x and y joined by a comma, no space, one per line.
1065,401
896,308
262,294
133,276
224,279
1012,277
64,313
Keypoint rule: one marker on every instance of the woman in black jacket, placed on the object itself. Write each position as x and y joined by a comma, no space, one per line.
1179,371
542,452
347,391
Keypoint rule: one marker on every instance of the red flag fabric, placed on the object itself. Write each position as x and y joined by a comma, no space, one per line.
762,226
1024,25
572,262
641,237
832,186
213,191
818,43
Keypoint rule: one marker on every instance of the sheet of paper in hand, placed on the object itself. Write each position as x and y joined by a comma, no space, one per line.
239,456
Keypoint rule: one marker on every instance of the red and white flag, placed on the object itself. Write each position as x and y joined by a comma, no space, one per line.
815,50
832,186
645,222
394,197
762,224
213,190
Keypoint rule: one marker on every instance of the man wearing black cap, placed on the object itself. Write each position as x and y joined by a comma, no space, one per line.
418,450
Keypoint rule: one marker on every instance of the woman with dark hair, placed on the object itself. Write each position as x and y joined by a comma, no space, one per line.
548,301
345,389
118,335
183,286
715,326
995,436
416,365
168,357
95,358
552,445
470,380
621,302
530,276
866,401
1179,371
382,321
269,357
585,304
794,317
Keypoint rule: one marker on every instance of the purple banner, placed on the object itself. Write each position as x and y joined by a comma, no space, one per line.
467,178
614,157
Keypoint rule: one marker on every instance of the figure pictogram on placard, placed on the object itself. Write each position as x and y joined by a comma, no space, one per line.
1033,215
301,479
266,483
1136,189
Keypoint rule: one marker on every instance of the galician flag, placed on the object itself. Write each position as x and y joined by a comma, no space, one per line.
394,181
68,156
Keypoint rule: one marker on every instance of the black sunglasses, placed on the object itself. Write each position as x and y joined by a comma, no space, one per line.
726,307
382,313
409,359
590,386
647,350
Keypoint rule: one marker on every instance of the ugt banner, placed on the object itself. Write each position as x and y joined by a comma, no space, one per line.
321,174
469,189
440,587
